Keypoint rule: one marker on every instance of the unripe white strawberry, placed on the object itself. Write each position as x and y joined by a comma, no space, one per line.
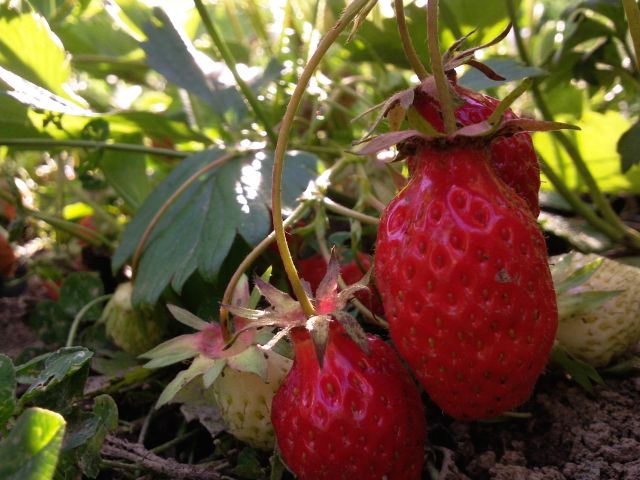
599,307
245,399
133,330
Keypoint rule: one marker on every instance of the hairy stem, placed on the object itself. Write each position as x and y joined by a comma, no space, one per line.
442,84
230,61
45,143
281,146
407,44
80,315
348,212
258,250
633,19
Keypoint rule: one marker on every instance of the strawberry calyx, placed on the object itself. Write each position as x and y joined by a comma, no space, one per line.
286,313
404,106
209,353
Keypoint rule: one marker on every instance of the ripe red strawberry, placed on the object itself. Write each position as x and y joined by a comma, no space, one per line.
358,416
462,270
314,268
513,158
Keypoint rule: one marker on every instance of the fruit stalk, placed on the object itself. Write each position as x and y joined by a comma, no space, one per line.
299,212
407,44
281,146
633,19
444,95
230,61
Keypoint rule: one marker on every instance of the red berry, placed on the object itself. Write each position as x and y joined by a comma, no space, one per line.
513,158
462,270
358,416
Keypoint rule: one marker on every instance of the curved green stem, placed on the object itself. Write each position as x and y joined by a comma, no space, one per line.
44,143
258,250
80,315
230,61
348,212
580,207
407,44
633,19
281,146
442,84
156,218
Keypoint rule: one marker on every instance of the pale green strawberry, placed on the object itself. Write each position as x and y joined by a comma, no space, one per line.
245,400
133,330
599,307
241,379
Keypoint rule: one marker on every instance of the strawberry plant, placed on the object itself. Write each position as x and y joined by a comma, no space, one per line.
443,197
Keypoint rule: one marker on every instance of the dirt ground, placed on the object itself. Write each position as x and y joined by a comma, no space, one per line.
571,434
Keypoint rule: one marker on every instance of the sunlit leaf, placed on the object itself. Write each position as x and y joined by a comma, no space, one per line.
31,450
196,232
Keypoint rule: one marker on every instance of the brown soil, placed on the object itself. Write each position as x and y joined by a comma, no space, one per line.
571,435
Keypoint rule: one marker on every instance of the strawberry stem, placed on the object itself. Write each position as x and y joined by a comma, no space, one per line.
281,146
407,44
442,84
259,249
632,13
231,63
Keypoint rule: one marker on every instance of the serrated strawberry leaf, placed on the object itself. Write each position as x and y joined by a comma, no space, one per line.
196,231
187,318
353,329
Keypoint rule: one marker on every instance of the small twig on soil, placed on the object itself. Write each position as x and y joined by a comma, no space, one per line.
118,449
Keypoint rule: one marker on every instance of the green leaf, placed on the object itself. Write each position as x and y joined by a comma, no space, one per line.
169,53
251,360
31,450
511,70
199,366
31,50
597,142
584,301
126,172
628,147
77,290
34,96
7,390
106,410
581,372
199,228
248,465
62,376
50,321
579,276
